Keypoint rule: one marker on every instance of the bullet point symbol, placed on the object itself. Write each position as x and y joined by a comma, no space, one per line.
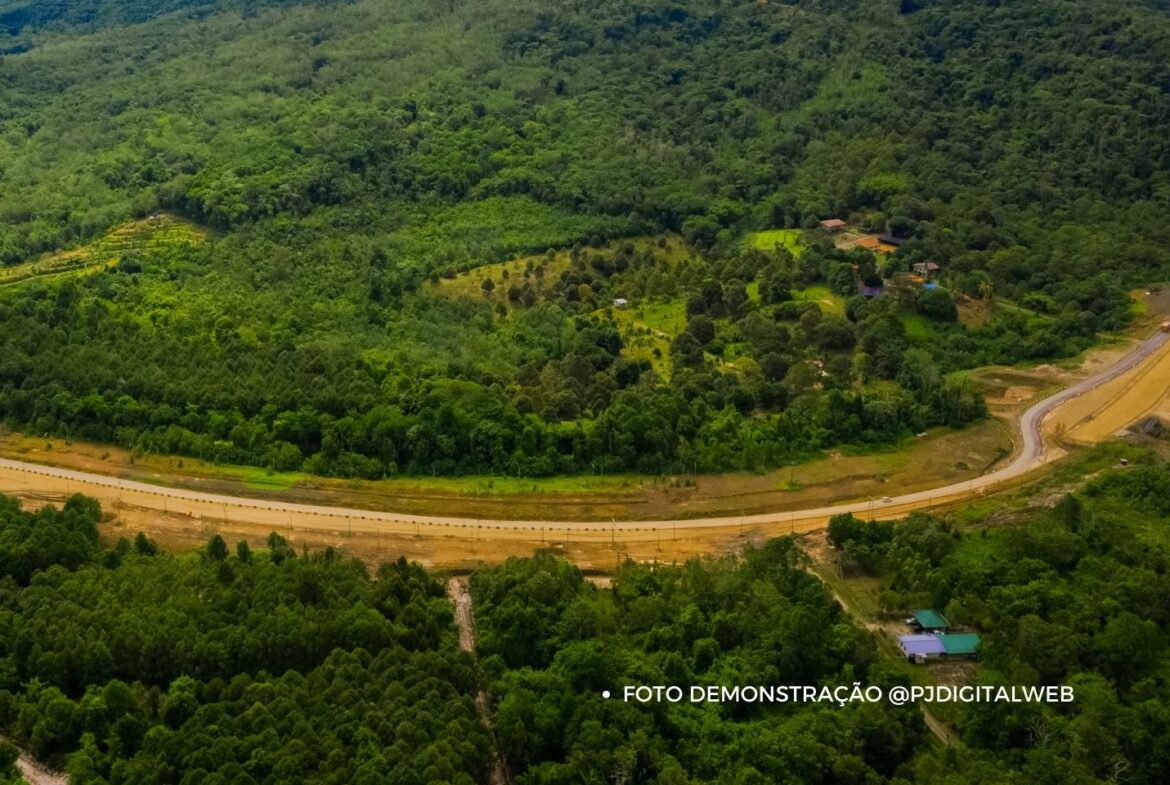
605,693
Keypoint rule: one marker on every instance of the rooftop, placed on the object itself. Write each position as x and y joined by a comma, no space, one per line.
960,642
931,620
921,644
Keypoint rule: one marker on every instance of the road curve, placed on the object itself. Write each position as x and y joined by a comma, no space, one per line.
200,505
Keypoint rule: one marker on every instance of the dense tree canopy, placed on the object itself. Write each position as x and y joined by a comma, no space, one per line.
348,156
260,667
1072,595
553,641
268,666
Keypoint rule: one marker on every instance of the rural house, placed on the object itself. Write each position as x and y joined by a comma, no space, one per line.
929,621
926,269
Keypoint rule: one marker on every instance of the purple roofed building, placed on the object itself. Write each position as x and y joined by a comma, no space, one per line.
917,647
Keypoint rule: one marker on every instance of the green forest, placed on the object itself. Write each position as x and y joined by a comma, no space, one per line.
1075,595
269,664
346,162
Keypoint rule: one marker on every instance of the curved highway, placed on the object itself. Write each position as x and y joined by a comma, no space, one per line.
199,505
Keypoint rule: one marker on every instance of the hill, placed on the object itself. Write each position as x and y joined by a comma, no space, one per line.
350,156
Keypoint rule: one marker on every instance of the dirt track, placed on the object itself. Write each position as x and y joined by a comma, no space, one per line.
34,773
460,594
204,511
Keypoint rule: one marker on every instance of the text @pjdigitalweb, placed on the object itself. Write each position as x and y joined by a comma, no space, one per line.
847,693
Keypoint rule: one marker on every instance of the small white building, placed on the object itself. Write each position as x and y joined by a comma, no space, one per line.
620,303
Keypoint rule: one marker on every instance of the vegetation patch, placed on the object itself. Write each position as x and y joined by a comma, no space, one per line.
791,240
127,247
1083,554
368,187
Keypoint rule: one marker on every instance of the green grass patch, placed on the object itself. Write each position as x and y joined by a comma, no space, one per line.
767,240
649,327
263,479
669,317
919,328
830,303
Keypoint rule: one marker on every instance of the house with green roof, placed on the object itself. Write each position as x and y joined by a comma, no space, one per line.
929,621
960,644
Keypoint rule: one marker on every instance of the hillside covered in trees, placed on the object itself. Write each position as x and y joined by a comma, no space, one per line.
345,160
271,665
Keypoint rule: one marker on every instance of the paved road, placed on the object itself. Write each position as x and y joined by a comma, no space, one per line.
1032,450
278,515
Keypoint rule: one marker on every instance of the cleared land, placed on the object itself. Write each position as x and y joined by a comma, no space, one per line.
128,241
1110,408
770,239
540,270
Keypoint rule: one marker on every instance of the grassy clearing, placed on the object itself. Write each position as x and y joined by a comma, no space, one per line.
540,270
860,593
647,331
830,303
262,479
919,328
469,283
512,486
767,240
1138,307
136,238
